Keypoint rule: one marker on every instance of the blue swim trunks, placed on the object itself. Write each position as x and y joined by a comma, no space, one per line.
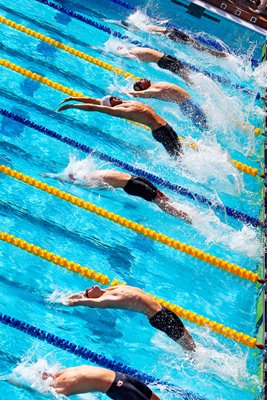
194,111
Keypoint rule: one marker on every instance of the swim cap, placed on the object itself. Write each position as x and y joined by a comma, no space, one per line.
105,101
137,86
125,23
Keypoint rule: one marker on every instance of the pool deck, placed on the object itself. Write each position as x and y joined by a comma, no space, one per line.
241,10
227,9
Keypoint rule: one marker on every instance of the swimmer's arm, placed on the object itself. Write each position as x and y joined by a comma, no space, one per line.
199,46
87,100
129,55
145,93
82,300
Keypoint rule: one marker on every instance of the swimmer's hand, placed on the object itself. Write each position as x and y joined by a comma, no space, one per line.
67,99
65,107
135,94
77,299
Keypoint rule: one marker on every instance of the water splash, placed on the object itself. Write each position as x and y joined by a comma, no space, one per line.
211,165
206,222
115,46
217,106
80,172
211,358
29,375
139,20
59,296
260,74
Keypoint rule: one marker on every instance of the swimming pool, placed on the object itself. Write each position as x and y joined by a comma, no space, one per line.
222,369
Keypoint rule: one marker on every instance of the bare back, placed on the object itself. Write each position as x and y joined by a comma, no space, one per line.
139,112
130,298
83,379
146,54
112,178
168,92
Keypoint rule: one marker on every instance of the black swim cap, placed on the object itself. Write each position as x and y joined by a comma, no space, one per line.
137,86
124,23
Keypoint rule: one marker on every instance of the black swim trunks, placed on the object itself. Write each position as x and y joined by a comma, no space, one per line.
125,387
178,36
170,63
167,322
141,187
169,139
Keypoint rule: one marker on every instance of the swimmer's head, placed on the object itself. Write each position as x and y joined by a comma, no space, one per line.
72,177
125,23
110,101
143,84
94,292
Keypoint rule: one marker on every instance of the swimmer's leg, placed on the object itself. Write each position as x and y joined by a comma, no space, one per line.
165,204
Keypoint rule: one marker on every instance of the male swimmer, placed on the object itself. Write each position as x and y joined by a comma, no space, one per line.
135,299
131,184
85,378
134,111
164,61
170,92
177,36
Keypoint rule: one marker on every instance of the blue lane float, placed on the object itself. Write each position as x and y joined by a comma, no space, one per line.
95,358
154,178
106,29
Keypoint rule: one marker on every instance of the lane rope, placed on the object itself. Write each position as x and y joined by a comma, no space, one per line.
92,356
134,226
57,86
67,48
56,259
154,178
188,315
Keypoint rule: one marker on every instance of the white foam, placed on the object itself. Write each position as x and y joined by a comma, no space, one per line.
244,241
116,47
59,296
30,374
225,113
140,21
211,165
260,74
211,358
83,171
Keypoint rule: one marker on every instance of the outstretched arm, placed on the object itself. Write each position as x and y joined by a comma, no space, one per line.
87,100
80,299
91,107
199,46
148,93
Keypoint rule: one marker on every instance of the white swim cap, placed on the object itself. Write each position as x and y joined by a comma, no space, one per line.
105,101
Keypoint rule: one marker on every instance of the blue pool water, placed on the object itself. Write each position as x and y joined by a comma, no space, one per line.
222,369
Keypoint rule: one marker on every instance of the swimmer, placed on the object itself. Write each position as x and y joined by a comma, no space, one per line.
85,378
134,111
164,61
166,91
133,185
177,36
134,299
